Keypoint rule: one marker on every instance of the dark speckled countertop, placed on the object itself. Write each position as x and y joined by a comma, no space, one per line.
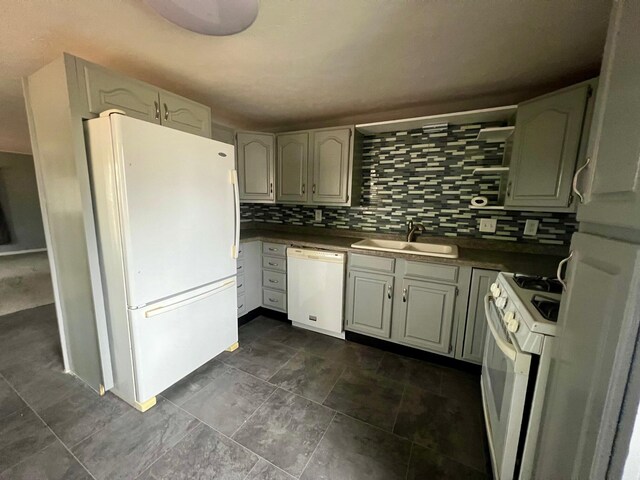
492,255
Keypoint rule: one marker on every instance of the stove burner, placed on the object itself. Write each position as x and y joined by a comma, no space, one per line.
540,284
548,307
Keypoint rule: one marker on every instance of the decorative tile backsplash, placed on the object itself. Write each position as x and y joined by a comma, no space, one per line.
425,176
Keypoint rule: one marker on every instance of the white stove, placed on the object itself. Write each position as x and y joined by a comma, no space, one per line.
521,314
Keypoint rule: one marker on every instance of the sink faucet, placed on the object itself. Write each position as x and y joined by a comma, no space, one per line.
413,229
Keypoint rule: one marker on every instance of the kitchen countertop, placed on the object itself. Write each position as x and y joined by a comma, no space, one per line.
514,258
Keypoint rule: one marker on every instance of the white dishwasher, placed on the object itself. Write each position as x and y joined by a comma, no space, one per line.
315,290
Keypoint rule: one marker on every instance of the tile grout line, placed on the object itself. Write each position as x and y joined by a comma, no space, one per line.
318,445
50,429
171,448
282,366
229,438
395,420
254,412
406,475
344,369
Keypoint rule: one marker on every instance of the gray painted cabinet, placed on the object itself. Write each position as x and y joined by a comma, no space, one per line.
331,166
184,114
546,143
425,315
476,326
611,181
256,166
105,90
597,328
369,301
292,168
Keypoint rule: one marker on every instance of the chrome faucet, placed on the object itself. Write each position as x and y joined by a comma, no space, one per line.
413,229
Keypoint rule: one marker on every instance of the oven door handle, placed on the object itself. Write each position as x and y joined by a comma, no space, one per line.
505,346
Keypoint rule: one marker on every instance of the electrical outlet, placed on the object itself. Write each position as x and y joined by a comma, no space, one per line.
318,215
531,227
488,225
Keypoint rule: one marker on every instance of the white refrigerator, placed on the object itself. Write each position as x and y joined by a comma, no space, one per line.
167,214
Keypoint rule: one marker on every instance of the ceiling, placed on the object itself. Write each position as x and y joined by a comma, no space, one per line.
312,63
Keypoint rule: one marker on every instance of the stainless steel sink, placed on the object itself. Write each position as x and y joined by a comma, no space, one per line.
414,248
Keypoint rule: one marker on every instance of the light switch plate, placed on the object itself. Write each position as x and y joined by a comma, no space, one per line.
531,227
488,225
318,215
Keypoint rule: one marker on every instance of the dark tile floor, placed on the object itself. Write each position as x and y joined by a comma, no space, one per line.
287,404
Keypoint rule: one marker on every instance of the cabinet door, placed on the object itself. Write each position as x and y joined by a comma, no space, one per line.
369,302
425,316
612,194
331,165
106,90
545,149
292,161
590,362
476,326
256,167
184,114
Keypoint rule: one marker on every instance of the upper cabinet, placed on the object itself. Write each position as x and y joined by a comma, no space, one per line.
103,89
256,166
610,183
292,168
332,161
546,145
312,167
184,114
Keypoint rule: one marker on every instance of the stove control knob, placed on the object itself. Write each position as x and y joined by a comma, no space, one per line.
501,302
495,290
511,322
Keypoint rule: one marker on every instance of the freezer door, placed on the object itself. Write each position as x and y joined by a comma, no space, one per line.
172,338
177,209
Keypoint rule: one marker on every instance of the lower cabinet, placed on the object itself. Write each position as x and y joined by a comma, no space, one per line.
369,302
249,279
476,325
425,315
274,276
412,303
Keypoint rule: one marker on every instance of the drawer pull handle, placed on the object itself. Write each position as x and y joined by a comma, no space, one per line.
240,285
404,294
271,249
271,280
157,105
273,264
574,185
166,112
389,292
240,306
273,300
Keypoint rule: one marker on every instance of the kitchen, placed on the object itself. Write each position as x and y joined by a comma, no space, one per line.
386,296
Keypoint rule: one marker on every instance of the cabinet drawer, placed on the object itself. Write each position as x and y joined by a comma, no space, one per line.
275,249
242,305
240,266
369,262
274,280
274,263
274,300
240,284
431,271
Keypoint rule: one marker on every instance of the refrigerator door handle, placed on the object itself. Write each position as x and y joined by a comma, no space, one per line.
173,306
236,195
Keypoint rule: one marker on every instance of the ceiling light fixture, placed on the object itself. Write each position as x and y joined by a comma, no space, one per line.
208,17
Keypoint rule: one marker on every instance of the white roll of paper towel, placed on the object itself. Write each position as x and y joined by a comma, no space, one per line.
479,201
